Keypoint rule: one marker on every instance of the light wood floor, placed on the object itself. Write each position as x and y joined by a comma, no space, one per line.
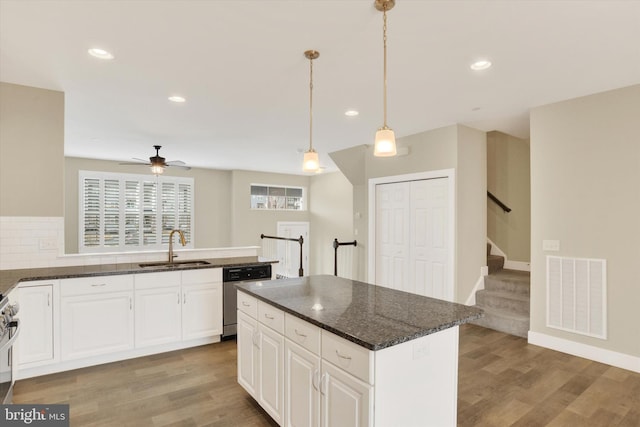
503,381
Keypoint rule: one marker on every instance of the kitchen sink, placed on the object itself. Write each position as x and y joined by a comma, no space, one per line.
175,264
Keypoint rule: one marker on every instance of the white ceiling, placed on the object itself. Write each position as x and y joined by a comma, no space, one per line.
240,64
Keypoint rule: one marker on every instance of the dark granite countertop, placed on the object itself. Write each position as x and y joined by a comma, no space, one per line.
10,278
372,316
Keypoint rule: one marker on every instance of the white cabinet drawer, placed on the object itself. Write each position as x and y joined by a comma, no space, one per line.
248,304
302,333
271,316
356,360
96,285
203,275
157,280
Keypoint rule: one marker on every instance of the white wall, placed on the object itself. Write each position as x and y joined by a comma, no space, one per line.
585,192
453,147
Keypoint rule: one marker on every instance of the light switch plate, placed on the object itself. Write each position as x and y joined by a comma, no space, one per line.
551,245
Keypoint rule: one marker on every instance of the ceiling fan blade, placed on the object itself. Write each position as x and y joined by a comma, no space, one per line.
176,163
136,163
186,168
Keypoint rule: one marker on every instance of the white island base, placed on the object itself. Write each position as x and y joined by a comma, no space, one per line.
306,376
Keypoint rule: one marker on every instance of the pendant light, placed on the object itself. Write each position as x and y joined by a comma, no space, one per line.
311,162
385,143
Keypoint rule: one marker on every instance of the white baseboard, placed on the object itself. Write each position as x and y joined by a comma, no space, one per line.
613,358
471,300
517,265
38,369
511,265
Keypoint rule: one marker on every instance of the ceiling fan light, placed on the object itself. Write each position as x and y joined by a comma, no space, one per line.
385,143
157,169
311,161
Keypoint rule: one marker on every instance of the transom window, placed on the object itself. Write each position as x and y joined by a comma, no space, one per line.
127,212
277,197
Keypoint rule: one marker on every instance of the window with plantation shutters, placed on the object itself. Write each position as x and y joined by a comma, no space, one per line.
124,212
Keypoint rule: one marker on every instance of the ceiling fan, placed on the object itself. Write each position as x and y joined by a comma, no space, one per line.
158,163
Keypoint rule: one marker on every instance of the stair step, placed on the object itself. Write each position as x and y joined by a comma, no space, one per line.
495,263
511,302
508,323
518,282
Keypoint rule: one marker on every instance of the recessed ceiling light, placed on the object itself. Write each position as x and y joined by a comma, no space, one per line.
351,113
480,65
176,99
100,53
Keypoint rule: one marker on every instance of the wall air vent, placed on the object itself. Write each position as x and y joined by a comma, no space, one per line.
577,295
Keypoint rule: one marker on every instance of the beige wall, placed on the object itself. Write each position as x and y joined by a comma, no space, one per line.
211,200
453,147
585,192
248,224
331,217
508,178
471,209
31,151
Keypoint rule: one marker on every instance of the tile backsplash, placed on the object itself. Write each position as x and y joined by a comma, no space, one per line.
36,242
27,242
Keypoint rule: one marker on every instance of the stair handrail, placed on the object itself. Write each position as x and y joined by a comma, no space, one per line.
299,240
336,245
497,201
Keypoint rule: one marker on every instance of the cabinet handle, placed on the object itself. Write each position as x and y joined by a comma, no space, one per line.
300,334
48,300
256,339
96,285
342,356
130,303
184,298
268,316
322,379
314,379
246,304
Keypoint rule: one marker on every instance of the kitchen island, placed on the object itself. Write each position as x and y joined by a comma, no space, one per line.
323,350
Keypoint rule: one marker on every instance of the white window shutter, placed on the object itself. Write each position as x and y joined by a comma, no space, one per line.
125,212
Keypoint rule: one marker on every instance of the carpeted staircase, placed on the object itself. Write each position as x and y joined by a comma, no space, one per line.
505,298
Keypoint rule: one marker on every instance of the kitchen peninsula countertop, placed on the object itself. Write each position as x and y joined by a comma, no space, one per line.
371,316
10,278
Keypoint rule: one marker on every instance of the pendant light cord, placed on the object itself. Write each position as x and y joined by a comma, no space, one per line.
384,43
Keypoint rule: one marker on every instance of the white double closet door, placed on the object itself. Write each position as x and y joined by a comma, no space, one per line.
412,248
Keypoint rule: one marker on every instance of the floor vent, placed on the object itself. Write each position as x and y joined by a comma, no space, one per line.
577,295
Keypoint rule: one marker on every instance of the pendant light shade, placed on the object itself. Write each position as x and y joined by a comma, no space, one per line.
311,161
385,142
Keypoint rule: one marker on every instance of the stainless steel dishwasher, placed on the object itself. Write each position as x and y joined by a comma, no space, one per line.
231,276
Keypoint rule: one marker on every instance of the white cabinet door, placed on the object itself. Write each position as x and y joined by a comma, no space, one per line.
248,353
201,310
346,400
302,397
35,342
158,316
96,324
271,372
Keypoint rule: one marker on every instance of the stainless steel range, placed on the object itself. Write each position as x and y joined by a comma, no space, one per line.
9,329
231,276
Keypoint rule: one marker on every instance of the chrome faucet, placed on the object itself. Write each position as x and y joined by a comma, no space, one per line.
182,240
